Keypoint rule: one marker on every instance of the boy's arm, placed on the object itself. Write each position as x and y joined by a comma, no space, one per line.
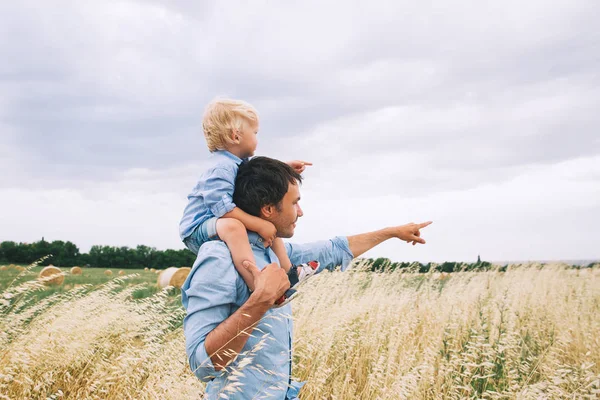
264,228
218,192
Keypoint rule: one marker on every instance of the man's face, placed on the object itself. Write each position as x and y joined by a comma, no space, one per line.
285,216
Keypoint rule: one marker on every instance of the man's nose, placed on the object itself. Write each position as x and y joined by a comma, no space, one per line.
299,211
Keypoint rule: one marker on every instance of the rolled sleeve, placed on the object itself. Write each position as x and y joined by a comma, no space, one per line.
218,191
329,253
207,297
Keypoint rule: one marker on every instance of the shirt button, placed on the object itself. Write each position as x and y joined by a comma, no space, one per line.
260,239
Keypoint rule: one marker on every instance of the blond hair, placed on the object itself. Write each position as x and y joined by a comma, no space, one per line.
221,117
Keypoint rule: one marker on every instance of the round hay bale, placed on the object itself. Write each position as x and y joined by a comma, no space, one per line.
20,268
173,276
52,275
3,268
152,270
121,272
146,269
76,271
164,277
12,266
108,272
179,277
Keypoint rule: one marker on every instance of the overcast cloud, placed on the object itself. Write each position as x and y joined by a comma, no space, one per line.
481,116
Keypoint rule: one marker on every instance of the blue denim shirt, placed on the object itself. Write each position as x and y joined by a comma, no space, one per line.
214,290
213,194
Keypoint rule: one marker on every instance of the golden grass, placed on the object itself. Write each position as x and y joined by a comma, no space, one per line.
528,333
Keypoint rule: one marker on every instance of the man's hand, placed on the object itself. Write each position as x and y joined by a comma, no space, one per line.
410,233
270,283
298,165
268,232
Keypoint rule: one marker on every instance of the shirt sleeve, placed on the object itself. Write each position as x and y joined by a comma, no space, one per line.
207,297
329,253
218,191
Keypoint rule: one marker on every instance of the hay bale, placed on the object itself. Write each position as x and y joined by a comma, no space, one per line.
108,272
12,266
121,272
146,269
51,275
20,268
152,270
179,277
173,276
76,271
3,268
165,277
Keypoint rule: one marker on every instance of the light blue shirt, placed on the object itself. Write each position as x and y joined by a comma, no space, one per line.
213,194
214,290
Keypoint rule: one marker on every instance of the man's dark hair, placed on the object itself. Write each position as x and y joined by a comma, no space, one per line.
262,181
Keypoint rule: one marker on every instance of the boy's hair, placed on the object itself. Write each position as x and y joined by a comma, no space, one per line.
262,181
221,116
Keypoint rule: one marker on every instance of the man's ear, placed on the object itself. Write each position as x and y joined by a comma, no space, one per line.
267,211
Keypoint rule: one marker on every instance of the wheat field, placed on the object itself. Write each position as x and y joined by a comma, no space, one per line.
531,332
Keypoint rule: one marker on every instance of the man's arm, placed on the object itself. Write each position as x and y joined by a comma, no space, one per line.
211,329
364,242
226,341
341,250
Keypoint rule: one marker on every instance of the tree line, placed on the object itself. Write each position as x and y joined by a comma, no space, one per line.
385,264
67,254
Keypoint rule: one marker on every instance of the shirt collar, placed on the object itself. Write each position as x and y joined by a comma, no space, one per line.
229,155
255,239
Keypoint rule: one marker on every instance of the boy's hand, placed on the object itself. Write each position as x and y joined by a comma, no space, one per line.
298,165
268,232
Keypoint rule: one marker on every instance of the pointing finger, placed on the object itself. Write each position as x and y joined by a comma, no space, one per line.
424,224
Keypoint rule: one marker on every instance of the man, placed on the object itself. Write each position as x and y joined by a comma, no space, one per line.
235,340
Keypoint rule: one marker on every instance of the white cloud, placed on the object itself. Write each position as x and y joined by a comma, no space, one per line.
545,212
473,114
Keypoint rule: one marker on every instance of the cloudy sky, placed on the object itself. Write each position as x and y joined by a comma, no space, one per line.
484,118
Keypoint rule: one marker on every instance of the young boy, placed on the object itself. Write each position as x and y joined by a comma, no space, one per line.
231,128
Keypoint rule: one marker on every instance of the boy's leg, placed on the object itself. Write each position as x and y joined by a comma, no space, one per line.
279,249
234,234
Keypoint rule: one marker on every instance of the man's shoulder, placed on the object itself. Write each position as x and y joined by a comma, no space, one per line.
214,263
214,248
